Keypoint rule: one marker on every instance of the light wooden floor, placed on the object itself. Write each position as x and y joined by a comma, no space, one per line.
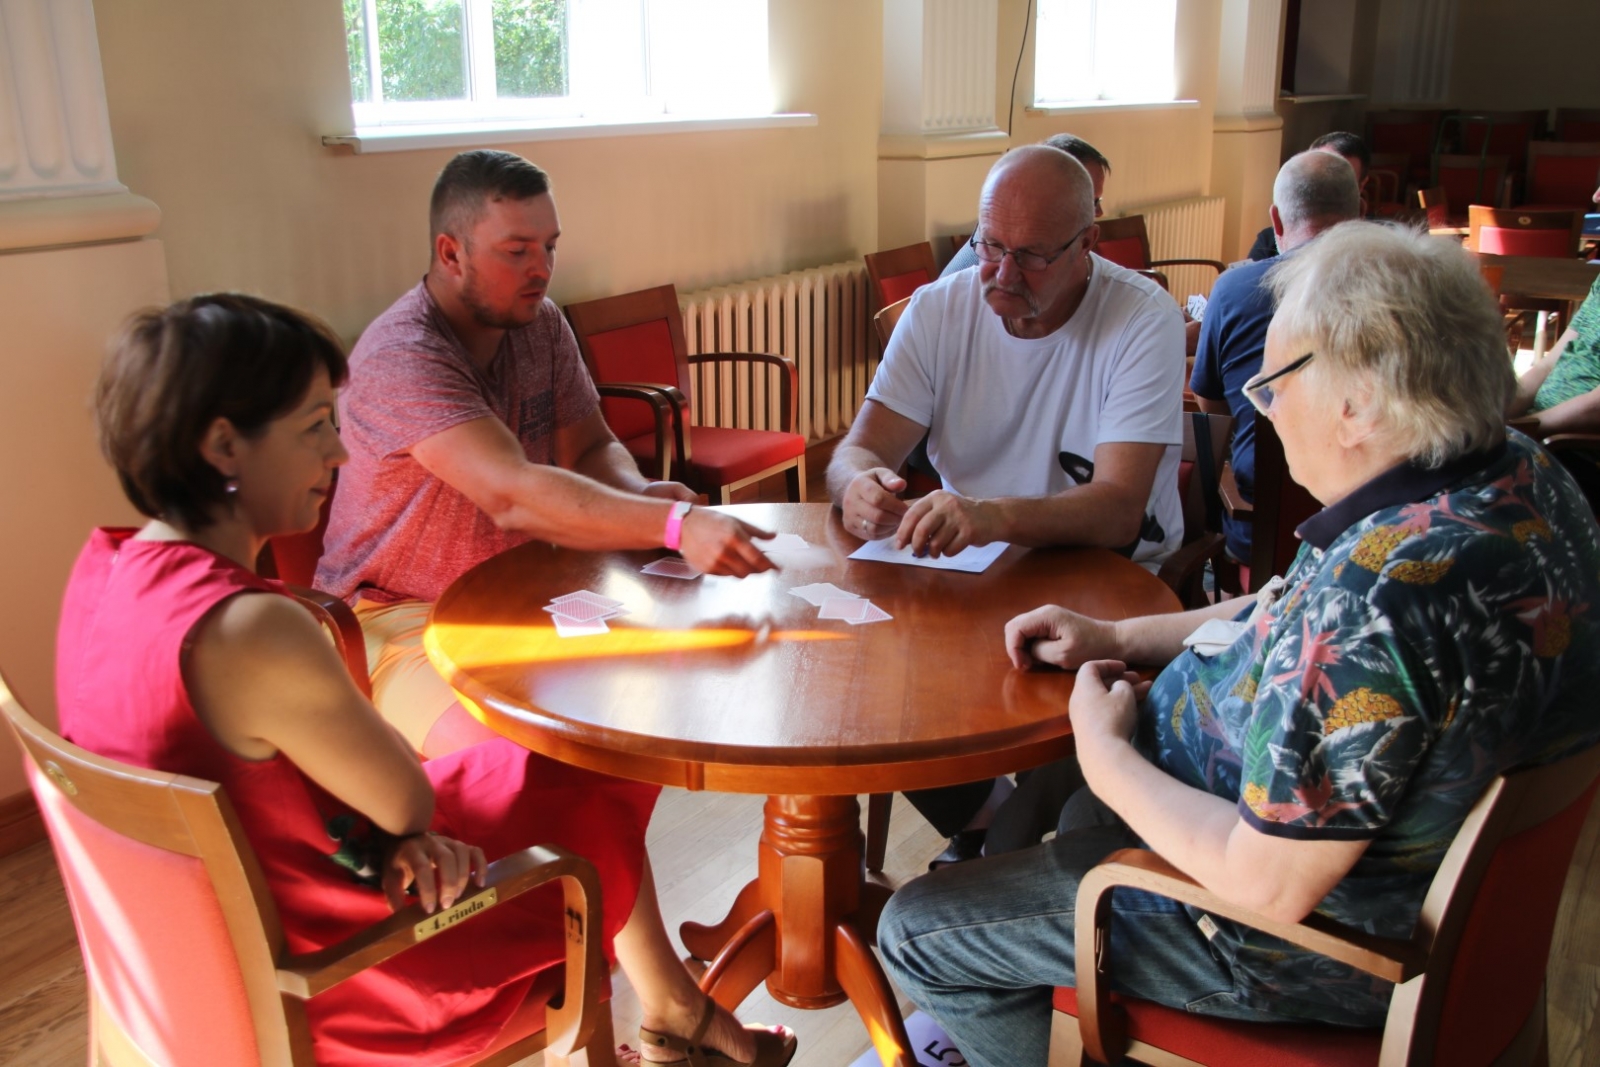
703,846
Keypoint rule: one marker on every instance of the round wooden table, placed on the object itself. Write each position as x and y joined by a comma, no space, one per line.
737,686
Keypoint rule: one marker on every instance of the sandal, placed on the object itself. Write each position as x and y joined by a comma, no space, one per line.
774,1048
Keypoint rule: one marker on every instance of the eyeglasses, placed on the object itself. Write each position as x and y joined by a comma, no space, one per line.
1025,258
1259,390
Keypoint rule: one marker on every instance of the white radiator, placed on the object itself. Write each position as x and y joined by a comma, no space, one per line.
817,317
1186,229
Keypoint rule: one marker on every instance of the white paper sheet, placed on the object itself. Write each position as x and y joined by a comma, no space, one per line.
971,559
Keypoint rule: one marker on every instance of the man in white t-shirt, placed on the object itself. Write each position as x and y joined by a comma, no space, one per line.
1050,389
1050,385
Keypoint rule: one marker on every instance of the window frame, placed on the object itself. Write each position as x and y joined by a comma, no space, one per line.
1101,101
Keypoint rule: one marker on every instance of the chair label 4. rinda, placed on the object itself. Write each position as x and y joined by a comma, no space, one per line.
447,918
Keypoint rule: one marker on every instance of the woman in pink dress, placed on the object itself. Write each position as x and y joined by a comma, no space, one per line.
175,655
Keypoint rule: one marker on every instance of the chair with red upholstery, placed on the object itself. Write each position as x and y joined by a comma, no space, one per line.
634,342
1472,180
185,954
1280,505
1388,179
1502,133
1577,124
1126,242
1523,232
1435,205
1469,983
1562,175
898,272
1408,133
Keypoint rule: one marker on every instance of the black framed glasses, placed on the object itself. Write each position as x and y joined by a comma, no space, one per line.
1259,391
1024,258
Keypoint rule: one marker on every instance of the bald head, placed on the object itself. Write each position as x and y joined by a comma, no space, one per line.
1041,182
1315,190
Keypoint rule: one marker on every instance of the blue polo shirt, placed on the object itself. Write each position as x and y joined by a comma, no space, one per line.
1233,333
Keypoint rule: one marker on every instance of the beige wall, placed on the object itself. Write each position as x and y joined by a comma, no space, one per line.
1538,53
58,307
217,107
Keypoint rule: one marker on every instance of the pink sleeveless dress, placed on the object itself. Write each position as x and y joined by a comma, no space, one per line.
130,607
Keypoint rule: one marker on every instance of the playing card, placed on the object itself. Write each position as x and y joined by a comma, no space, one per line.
848,608
815,594
587,597
569,627
586,611
784,542
873,613
671,567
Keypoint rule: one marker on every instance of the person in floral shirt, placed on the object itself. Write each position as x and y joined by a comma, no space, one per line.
1319,745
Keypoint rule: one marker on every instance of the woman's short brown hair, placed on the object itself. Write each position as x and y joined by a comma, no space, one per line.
174,371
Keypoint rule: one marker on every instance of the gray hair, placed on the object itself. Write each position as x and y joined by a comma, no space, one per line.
1316,186
1410,316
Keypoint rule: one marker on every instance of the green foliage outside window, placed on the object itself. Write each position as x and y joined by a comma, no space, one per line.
422,48
530,47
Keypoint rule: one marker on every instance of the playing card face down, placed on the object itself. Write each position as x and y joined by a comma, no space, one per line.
850,609
671,567
568,627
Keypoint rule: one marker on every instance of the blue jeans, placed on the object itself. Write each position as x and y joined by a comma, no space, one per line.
980,946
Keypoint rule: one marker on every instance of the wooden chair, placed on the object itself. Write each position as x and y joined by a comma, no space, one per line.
1562,174
1502,133
1125,242
636,341
1389,175
1472,180
886,320
1408,133
958,241
899,272
1280,505
1435,207
1577,124
1469,982
181,939
1523,232
1205,449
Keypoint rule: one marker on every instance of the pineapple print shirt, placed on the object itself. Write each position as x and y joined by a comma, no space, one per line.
1436,628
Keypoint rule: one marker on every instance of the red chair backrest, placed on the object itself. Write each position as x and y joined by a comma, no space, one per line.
293,558
1123,251
155,944
1566,180
639,353
1409,132
1469,180
1508,136
1546,244
900,286
1499,967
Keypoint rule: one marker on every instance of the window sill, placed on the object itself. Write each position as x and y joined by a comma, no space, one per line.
405,138
1319,98
1082,106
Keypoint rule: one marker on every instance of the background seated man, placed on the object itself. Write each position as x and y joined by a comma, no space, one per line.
472,427
1325,759
1354,151
1314,191
1049,383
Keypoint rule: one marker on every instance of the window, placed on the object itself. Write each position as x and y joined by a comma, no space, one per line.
443,61
1104,50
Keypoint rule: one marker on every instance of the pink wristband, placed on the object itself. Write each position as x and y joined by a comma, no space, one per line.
675,516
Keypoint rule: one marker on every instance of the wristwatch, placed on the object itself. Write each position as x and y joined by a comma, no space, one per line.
675,516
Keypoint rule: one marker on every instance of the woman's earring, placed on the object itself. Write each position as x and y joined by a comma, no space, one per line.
231,486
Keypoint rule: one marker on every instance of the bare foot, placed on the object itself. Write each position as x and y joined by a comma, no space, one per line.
725,1034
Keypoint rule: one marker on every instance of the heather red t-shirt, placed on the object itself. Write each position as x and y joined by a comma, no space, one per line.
396,532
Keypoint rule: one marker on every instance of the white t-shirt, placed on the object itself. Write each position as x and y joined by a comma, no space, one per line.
1013,417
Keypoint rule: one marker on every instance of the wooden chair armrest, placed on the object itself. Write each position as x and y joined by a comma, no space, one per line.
1233,501
1562,442
1217,265
1184,570
568,1026
788,379
1103,1026
337,618
671,412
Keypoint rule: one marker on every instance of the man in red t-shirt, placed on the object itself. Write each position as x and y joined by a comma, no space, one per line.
472,426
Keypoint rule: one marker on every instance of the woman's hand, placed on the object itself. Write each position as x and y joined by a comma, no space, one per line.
1104,707
1058,637
437,867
